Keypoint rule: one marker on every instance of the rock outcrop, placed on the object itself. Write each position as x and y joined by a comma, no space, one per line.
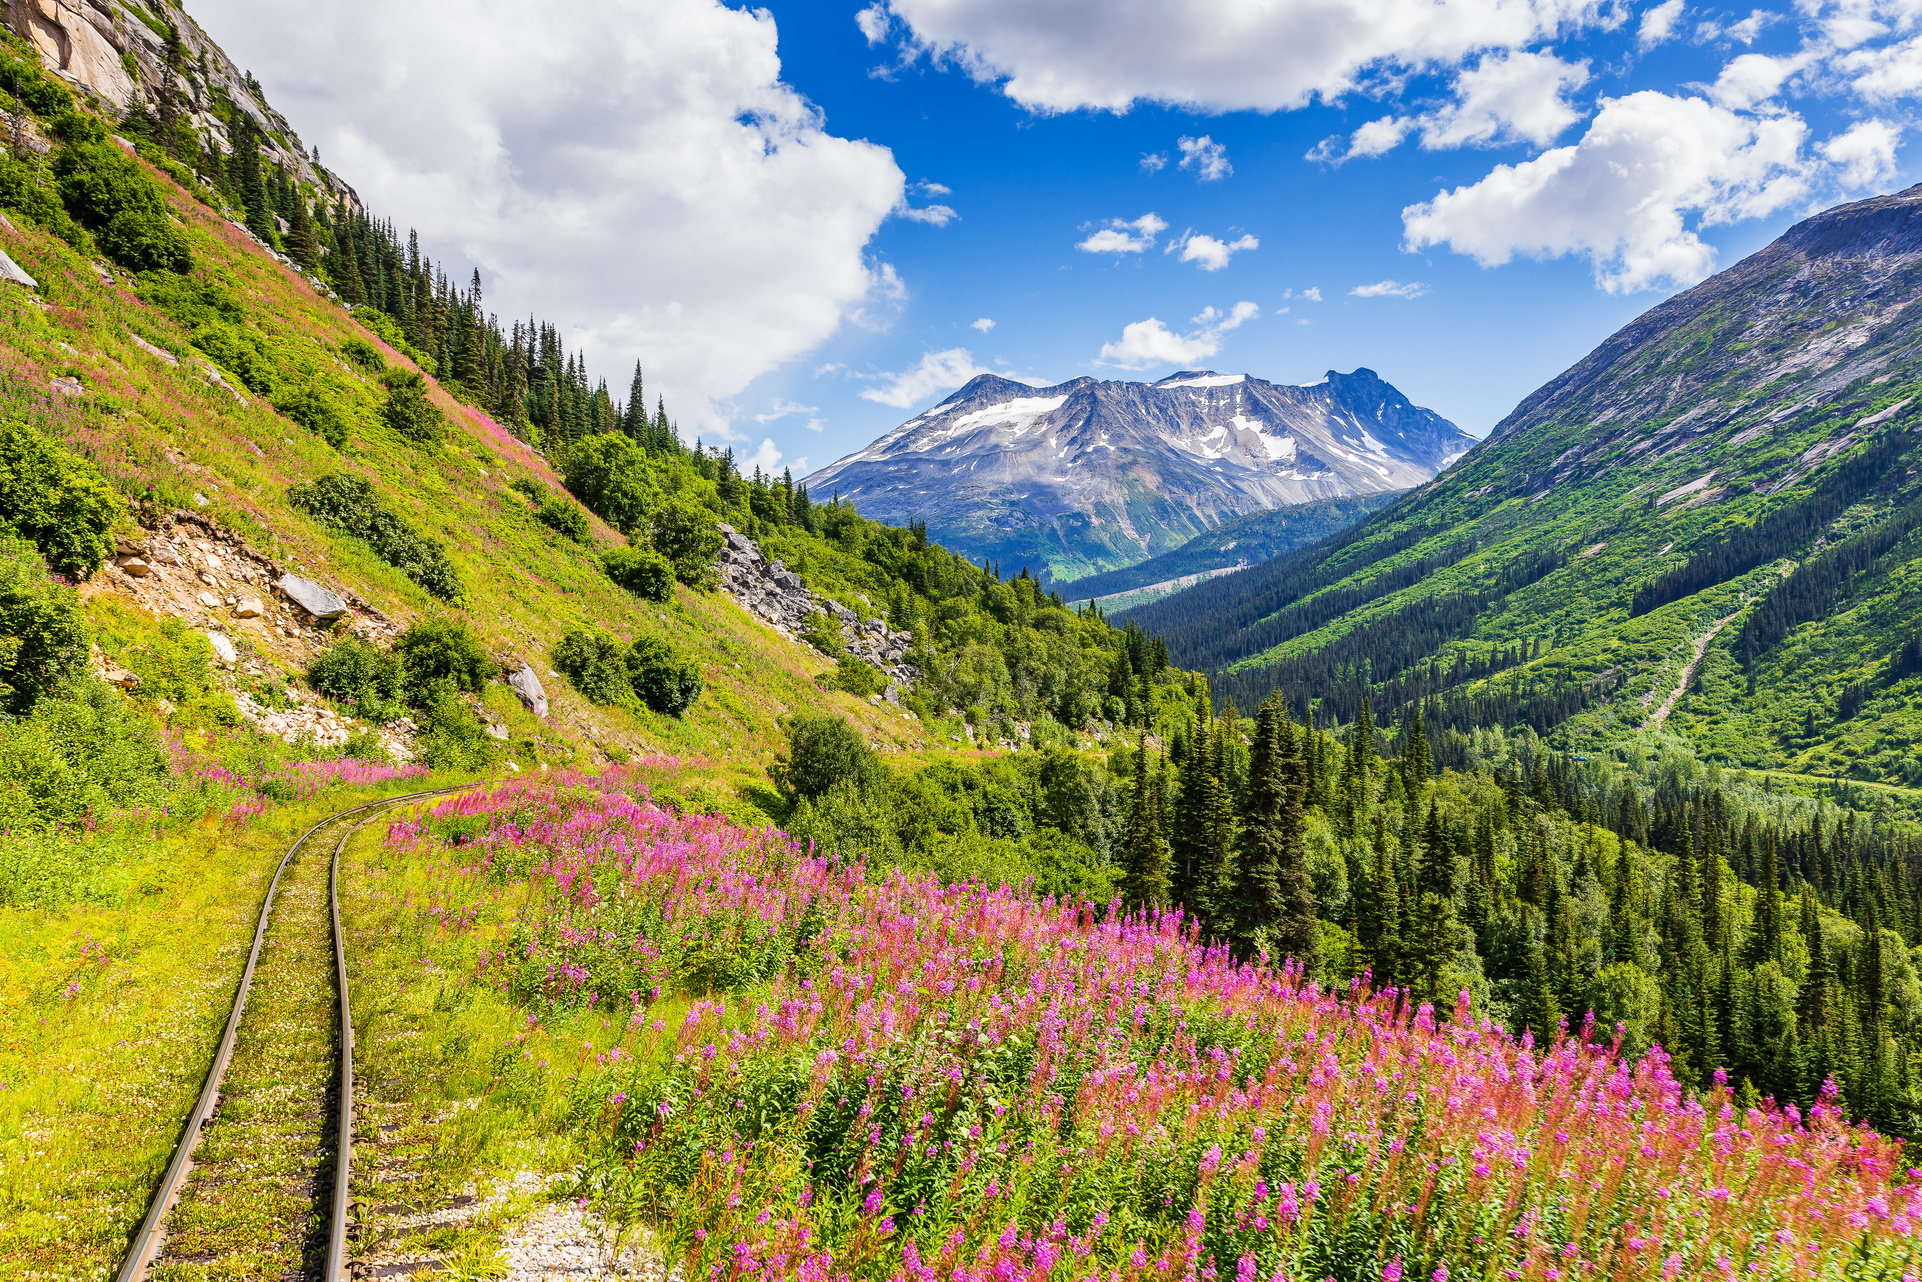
775,595
527,686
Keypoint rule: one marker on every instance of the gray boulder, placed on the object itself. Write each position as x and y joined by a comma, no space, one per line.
321,602
528,687
10,270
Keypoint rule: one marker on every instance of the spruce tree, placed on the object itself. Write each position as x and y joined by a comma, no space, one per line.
1144,848
1380,916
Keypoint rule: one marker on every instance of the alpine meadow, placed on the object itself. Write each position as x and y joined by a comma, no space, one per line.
475,802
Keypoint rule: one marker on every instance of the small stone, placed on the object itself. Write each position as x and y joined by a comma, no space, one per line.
527,686
223,648
68,387
209,600
134,567
201,500
248,607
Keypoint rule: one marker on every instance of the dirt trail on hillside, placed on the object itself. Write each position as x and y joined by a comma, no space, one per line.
1688,673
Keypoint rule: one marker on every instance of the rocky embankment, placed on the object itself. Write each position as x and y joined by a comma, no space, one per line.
775,595
260,619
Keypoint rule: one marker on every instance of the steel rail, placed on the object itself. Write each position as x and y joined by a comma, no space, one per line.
140,1251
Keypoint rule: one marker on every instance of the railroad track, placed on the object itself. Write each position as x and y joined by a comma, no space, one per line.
280,1168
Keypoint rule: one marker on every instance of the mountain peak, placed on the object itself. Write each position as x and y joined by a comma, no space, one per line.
1089,474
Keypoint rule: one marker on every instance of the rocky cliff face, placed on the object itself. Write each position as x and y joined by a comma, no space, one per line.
116,52
1089,476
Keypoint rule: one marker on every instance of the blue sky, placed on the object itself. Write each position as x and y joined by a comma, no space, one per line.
797,216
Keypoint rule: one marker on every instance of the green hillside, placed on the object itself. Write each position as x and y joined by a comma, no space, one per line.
1735,475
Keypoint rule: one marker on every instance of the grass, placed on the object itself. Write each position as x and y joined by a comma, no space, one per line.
110,1010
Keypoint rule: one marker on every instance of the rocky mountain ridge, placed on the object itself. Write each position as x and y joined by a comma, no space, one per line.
116,51
1092,475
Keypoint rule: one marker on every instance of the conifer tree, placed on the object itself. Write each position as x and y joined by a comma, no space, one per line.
1416,764
1144,849
1541,1013
1380,915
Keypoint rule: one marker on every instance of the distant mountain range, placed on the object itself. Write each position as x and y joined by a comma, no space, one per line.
1711,525
1091,475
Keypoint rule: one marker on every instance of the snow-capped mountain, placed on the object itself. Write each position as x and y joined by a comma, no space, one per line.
1091,475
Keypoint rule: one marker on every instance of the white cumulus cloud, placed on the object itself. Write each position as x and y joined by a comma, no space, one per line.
1390,289
1215,55
936,215
1658,23
1864,154
1124,237
635,170
1153,162
936,372
1147,343
1212,255
1504,98
985,324
1625,195
1208,158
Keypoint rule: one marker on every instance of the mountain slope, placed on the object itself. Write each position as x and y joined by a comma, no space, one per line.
1650,505
1089,476
1234,544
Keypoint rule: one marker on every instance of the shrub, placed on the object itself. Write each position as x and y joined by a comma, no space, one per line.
310,408
822,751
56,500
146,240
595,664
348,503
529,488
21,189
388,330
611,474
107,190
364,354
688,536
824,634
663,678
451,734
854,675
644,573
441,650
407,409
43,640
359,676
564,518
79,753
176,665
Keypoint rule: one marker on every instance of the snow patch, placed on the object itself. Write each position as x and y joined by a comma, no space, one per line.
1207,380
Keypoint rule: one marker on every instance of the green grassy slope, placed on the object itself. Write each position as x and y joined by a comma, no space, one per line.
165,433
1744,397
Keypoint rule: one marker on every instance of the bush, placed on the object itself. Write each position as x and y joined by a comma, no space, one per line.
611,474
564,518
43,640
56,500
594,663
451,734
407,409
311,409
107,191
364,354
689,537
644,573
79,753
358,676
528,487
663,678
822,751
177,665
146,240
435,651
853,675
349,504
387,329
